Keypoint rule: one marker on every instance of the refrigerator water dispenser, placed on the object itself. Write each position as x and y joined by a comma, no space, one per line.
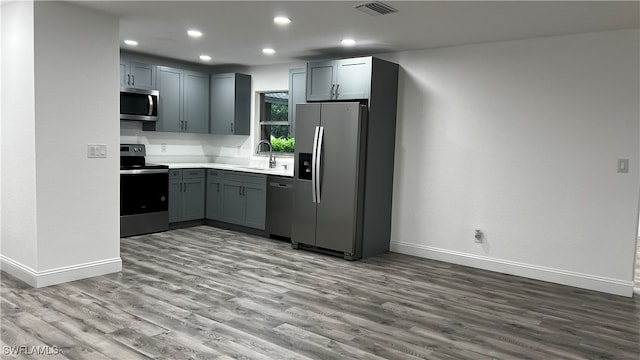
304,166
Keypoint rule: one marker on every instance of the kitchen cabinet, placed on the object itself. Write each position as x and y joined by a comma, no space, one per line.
343,79
244,199
137,75
230,104
214,195
186,194
297,94
196,102
184,101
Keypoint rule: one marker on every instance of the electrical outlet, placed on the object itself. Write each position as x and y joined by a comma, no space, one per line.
96,151
478,236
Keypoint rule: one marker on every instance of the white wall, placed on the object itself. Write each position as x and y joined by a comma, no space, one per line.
521,139
19,231
67,204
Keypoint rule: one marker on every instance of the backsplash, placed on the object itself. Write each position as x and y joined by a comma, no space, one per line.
166,147
177,147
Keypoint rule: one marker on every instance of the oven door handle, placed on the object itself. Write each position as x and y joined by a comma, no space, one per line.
144,171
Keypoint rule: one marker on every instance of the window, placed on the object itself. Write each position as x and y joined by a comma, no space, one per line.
274,122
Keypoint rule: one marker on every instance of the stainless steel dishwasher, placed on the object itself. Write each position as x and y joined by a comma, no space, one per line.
279,205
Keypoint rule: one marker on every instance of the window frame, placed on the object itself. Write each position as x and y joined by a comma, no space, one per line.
262,122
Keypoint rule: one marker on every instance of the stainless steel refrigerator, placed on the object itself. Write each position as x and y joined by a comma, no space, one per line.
331,183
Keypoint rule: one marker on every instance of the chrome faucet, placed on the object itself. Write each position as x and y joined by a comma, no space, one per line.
272,159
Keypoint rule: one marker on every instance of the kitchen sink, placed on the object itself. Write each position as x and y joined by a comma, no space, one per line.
258,168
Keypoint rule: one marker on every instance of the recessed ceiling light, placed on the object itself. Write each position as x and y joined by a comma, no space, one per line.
281,20
348,42
205,57
131,42
268,51
194,33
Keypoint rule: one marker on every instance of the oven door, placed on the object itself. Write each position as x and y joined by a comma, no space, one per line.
144,191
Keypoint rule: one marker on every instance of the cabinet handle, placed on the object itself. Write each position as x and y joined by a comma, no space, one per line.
128,79
185,124
337,90
181,125
133,80
332,86
231,127
240,191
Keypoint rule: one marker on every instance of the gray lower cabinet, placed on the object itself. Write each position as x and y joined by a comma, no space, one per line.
237,198
186,194
343,79
214,195
231,104
184,101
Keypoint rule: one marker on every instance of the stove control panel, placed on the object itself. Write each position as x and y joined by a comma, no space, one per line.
132,150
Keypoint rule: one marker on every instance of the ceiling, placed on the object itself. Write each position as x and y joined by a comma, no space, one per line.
235,32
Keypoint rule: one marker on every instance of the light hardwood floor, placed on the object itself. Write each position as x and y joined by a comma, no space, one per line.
206,293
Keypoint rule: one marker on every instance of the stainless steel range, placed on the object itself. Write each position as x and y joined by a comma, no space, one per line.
144,193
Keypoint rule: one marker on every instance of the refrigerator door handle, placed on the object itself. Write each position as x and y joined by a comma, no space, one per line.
319,163
313,164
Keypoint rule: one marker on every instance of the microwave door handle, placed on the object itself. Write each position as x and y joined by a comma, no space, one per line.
150,105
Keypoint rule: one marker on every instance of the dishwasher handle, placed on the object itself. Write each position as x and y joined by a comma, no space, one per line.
280,185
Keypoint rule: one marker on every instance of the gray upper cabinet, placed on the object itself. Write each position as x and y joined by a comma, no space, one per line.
297,94
230,104
170,85
184,101
344,79
321,83
137,75
196,102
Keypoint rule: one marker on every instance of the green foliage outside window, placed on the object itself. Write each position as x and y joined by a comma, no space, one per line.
281,144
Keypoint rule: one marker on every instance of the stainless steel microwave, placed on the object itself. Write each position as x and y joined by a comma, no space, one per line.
139,104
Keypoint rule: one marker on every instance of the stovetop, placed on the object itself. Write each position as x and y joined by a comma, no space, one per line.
142,166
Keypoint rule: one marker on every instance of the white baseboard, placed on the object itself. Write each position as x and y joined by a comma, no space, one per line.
584,281
60,275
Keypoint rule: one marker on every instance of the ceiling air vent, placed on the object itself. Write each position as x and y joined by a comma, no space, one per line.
376,8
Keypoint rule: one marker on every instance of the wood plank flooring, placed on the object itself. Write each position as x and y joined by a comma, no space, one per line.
207,293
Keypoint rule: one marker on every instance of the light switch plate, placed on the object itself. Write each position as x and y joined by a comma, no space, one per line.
623,165
96,151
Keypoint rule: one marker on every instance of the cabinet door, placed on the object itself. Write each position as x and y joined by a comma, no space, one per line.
196,102
214,198
143,76
124,71
297,94
232,202
353,79
255,197
193,199
320,80
222,104
170,109
175,187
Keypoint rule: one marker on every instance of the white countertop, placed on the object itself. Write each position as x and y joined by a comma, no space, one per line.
278,171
